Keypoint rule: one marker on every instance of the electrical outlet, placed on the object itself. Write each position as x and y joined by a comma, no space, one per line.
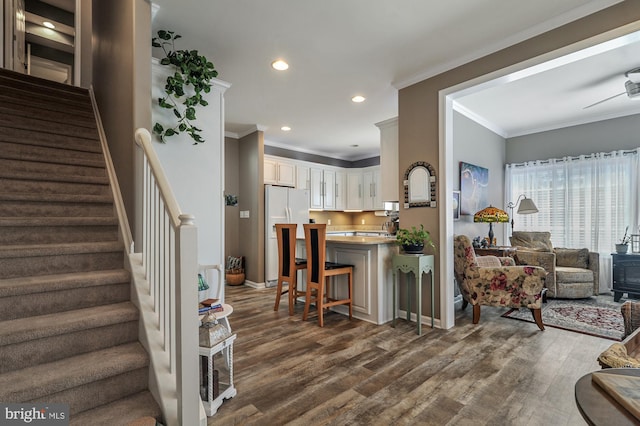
363,221
328,221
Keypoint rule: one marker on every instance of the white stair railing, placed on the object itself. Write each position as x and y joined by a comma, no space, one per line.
165,277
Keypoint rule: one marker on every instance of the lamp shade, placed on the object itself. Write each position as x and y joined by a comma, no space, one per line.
491,214
527,206
202,283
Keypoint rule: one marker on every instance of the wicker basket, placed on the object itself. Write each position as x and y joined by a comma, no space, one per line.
234,276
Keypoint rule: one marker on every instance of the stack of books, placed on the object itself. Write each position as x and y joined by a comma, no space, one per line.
208,305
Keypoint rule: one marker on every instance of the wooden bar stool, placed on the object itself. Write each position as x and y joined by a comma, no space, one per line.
319,272
288,264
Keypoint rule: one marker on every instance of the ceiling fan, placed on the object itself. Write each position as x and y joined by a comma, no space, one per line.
632,87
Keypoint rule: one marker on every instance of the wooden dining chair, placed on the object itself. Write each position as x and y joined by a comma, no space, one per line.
319,273
288,264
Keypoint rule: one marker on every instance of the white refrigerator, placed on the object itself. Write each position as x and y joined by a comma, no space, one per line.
281,205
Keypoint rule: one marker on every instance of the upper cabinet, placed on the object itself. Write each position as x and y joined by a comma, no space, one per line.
302,177
278,172
322,188
354,190
372,199
341,190
330,187
390,186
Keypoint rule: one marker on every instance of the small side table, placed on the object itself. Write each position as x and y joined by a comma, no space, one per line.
222,316
498,251
597,406
418,264
217,374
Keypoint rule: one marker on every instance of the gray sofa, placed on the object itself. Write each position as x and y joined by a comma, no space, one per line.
572,273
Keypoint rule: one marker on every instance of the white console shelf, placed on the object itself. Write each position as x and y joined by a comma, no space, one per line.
217,359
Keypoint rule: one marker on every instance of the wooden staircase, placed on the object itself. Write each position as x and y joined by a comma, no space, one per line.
68,330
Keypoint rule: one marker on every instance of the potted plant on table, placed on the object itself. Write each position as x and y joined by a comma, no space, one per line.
623,246
413,240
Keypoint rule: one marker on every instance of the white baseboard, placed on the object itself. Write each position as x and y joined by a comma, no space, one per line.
426,320
255,285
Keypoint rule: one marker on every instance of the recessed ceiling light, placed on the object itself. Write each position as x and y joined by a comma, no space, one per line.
280,65
357,99
285,128
48,24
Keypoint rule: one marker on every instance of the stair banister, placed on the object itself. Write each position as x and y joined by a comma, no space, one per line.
123,220
169,297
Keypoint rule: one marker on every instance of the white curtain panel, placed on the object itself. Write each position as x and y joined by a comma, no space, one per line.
586,201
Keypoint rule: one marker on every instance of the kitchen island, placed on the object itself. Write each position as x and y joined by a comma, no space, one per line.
371,257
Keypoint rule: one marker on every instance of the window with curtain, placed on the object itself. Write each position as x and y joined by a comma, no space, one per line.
586,201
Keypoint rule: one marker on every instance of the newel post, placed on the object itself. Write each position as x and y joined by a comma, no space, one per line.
187,322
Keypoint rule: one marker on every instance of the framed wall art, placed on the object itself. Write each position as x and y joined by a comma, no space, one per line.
474,182
456,205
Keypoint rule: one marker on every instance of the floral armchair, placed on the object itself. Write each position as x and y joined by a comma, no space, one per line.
497,285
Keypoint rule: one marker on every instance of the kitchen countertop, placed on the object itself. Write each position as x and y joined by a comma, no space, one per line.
349,239
360,240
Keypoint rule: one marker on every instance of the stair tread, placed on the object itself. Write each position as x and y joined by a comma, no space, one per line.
44,186
69,198
25,109
26,250
125,410
39,83
38,327
45,176
37,139
59,221
37,284
44,166
44,379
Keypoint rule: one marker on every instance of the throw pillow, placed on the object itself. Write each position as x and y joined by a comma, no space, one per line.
616,357
538,241
234,262
575,258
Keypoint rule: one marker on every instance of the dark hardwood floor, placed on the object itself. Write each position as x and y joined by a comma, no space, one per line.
498,372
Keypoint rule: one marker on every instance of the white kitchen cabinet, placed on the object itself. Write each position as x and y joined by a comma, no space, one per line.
341,190
278,172
322,188
371,184
354,190
302,177
372,290
389,187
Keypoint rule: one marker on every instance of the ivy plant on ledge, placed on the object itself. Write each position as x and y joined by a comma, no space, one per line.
191,69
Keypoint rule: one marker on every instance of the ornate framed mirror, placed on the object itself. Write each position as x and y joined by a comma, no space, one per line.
420,185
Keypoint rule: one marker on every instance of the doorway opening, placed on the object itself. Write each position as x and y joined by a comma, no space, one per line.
448,99
40,38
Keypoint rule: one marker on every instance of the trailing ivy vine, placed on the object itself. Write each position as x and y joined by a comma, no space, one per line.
192,69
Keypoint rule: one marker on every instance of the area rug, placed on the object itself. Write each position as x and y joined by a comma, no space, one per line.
597,316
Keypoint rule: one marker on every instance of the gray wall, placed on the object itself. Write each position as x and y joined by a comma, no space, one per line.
475,144
304,156
602,136
232,187
251,230
121,67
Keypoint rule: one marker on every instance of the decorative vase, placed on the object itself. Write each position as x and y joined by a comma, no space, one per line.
622,248
413,248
